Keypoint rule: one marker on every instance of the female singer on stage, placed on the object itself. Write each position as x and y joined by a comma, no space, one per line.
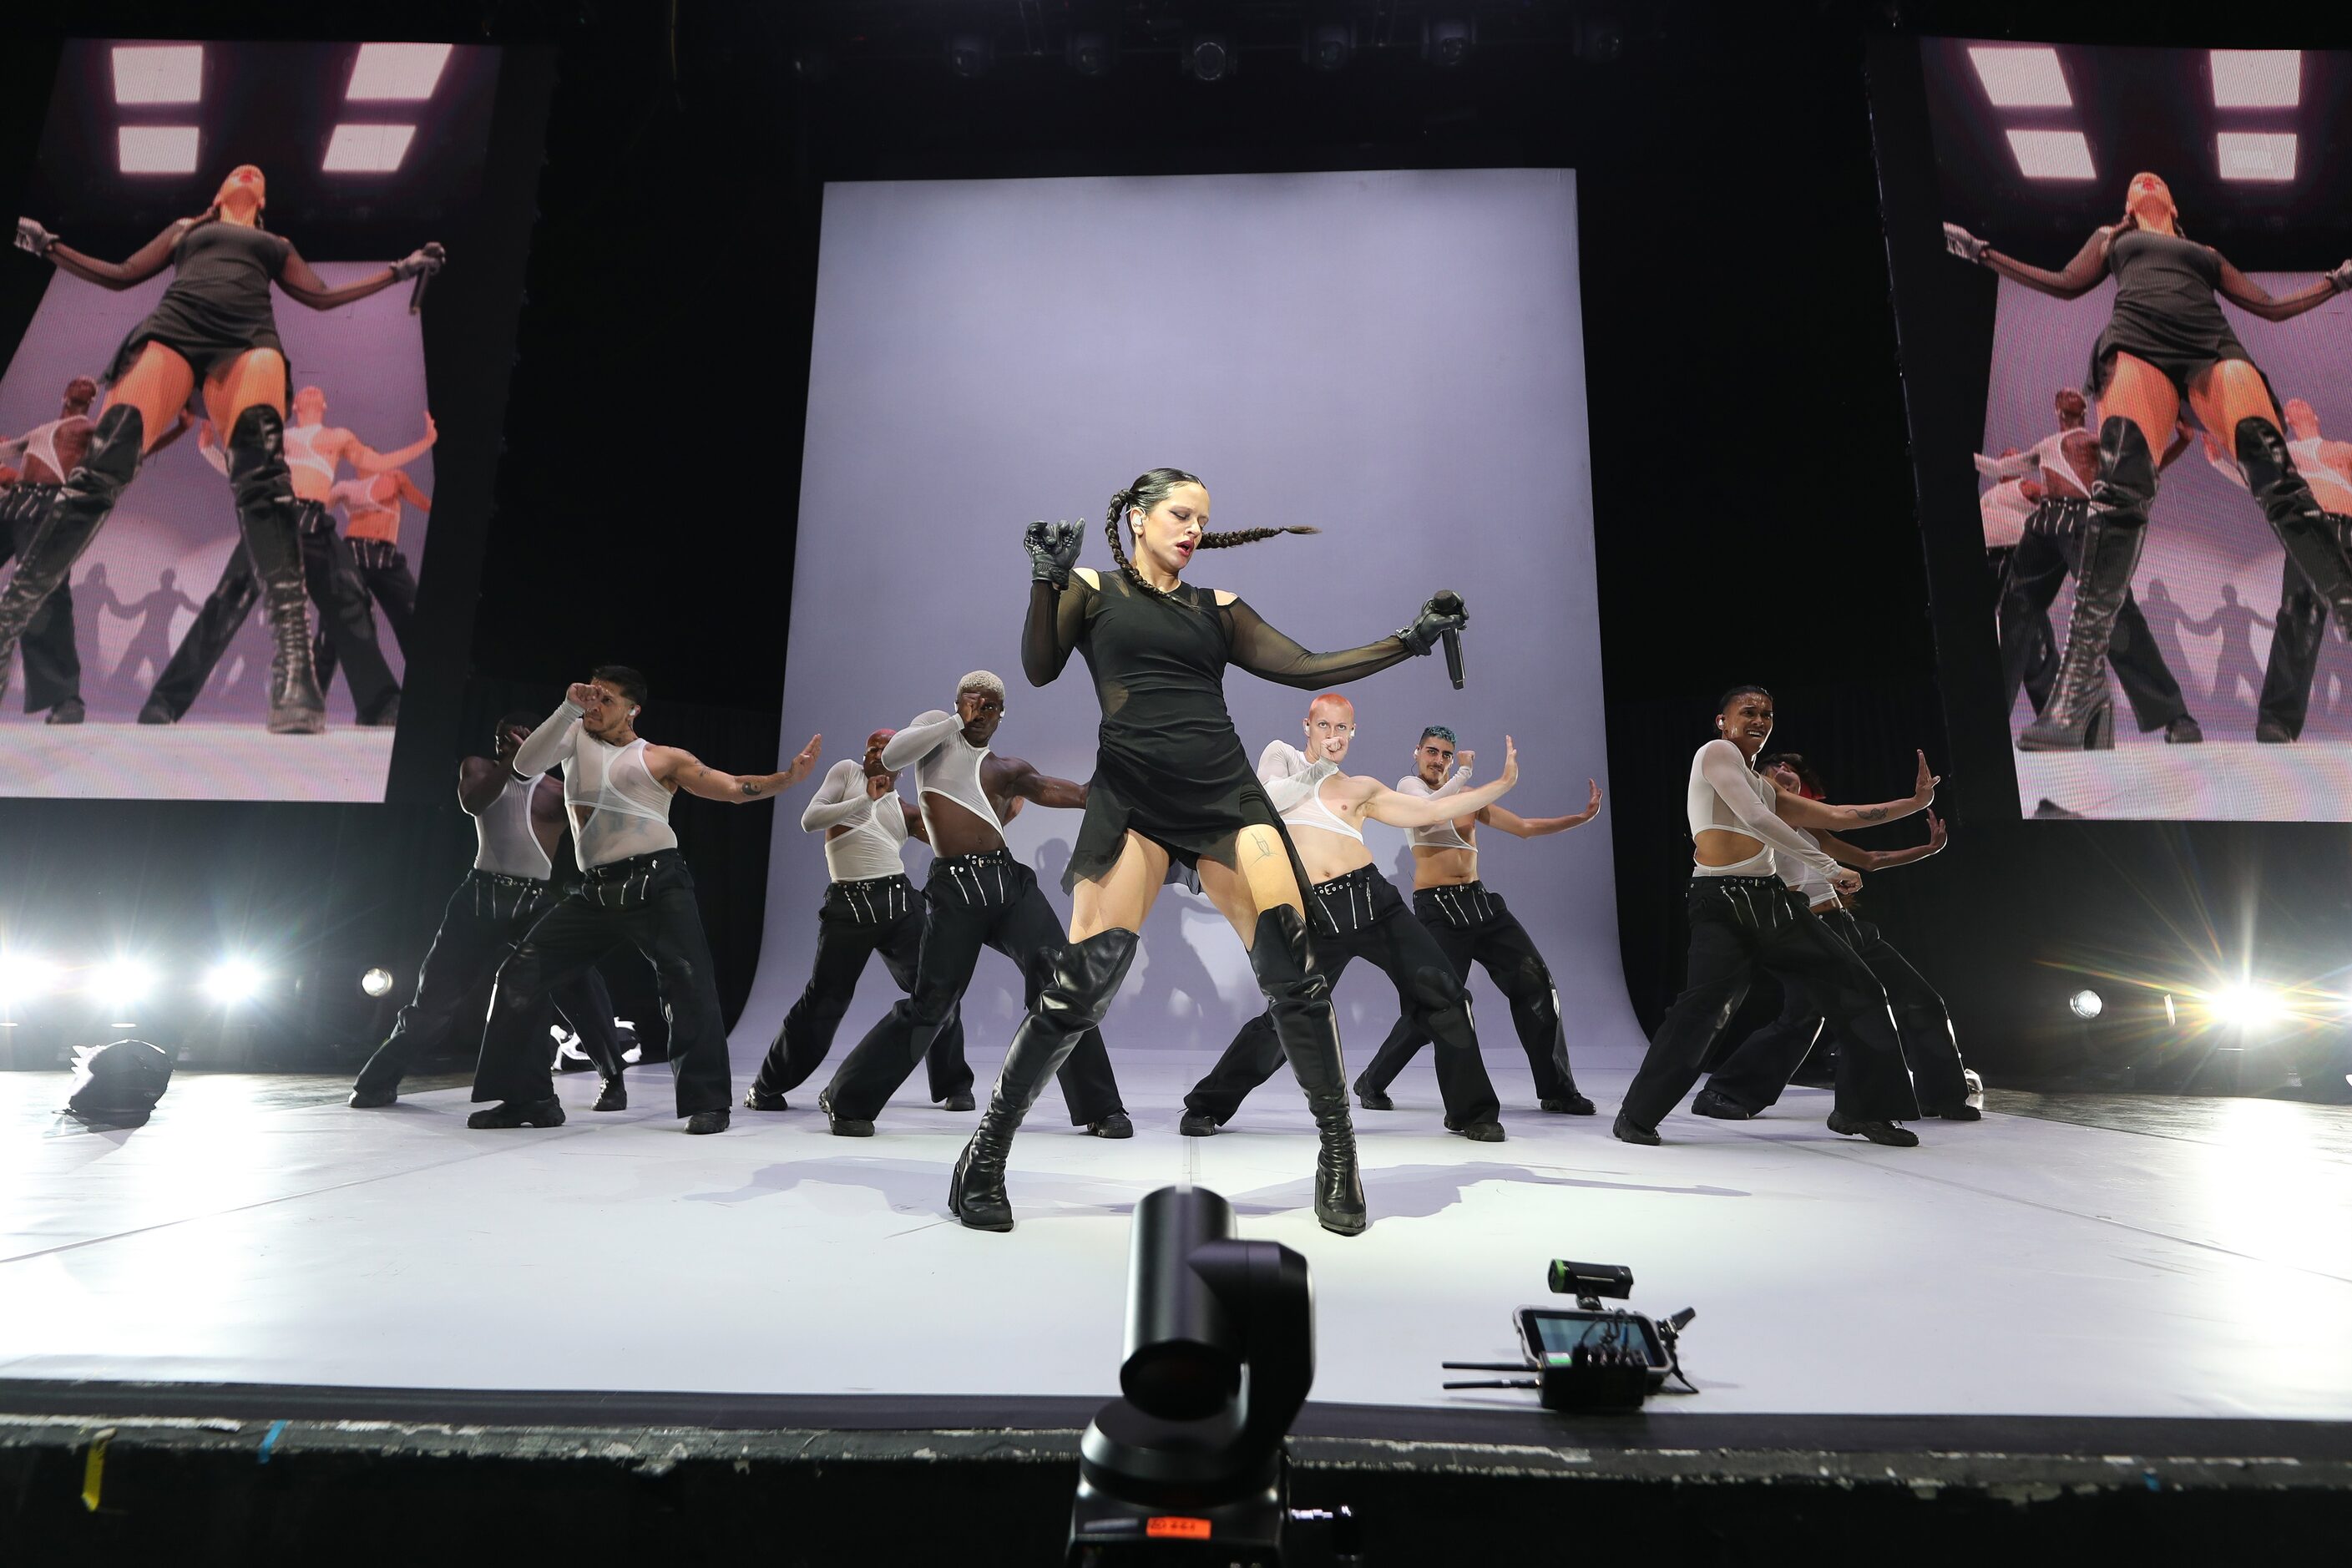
1172,784
214,328
2166,340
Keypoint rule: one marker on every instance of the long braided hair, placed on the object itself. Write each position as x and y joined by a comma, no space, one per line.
1147,491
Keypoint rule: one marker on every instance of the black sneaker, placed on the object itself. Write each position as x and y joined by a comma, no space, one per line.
71,711
842,1126
1568,1105
1115,1125
758,1098
1884,1132
1373,1098
372,1098
548,1112
1709,1103
1963,1112
1625,1129
707,1121
1197,1125
2271,732
962,1101
2183,731
1486,1132
615,1095
157,713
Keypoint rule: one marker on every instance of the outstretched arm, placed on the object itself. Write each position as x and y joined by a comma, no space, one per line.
1383,804
554,740
1519,826
1814,813
919,739
2008,466
305,286
410,493
145,262
2073,280
1270,655
368,460
1023,780
684,770
2255,300
841,798
1721,765
1863,859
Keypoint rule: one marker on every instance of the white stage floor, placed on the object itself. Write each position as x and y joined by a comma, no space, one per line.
2217,781
191,761
2095,1257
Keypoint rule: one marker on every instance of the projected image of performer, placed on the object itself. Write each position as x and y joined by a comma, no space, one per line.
977,895
330,574
2326,466
517,825
214,331
2004,509
617,790
2066,464
2167,340
1752,1077
372,506
1744,917
39,460
1172,786
869,907
1324,811
1473,925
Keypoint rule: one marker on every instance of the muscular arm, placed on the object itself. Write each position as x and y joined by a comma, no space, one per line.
840,799
1862,860
1819,816
1721,765
2255,300
480,782
1021,779
1057,617
552,742
145,263
915,828
684,770
368,460
1270,655
925,734
1519,826
306,287
410,493
2015,466
1383,804
2073,280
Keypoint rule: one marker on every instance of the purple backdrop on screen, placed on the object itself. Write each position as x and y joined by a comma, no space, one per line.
1397,357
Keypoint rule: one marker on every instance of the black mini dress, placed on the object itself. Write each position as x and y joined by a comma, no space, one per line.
2166,309
1168,763
219,304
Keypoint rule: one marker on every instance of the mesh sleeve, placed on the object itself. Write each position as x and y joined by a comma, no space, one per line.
1057,619
1270,655
841,798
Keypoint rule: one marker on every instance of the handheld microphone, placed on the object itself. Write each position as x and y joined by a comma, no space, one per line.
1446,602
416,291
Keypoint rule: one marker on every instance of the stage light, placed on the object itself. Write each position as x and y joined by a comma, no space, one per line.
2087,1004
2022,78
23,977
1209,57
970,54
232,979
2257,78
2256,154
367,148
2246,1006
1089,53
396,73
120,982
159,73
377,982
1328,46
2052,155
1448,40
155,149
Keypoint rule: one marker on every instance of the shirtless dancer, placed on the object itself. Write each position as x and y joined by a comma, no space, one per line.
869,907
371,506
977,895
1324,811
1472,923
617,790
313,448
42,457
2066,463
518,823
2326,466
2005,508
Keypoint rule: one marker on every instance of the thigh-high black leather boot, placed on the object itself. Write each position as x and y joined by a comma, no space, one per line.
81,505
1080,980
265,517
2080,715
2311,542
1298,999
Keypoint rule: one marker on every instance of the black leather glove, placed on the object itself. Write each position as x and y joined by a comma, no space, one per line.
32,237
1431,624
426,258
1964,244
1053,550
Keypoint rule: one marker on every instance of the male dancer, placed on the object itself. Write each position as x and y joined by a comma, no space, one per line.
371,506
518,823
1472,923
869,907
2326,466
2066,463
42,457
2005,508
313,447
1324,811
1752,1079
617,790
977,895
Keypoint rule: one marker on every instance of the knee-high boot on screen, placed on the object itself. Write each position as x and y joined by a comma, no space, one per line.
1298,999
265,517
81,505
2310,537
2080,715
1080,980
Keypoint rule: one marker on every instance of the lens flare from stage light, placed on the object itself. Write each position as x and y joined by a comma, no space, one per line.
233,980
2246,1006
22,977
121,982
377,982
2087,1004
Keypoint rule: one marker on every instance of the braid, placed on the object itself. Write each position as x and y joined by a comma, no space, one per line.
1118,514
1250,536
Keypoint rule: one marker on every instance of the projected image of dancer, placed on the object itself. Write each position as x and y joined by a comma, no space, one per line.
869,907
1473,925
1750,1080
214,331
1324,811
976,896
1743,918
330,574
372,506
39,461
2167,340
2326,466
517,825
1172,787
618,790
2066,464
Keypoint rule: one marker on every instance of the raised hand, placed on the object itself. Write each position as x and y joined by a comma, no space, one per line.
1846,880
1592,805
2340,277
805,761
1053,550
425,258
1510,763
1462,761
584,696
1969,247
31,236
1922,790
432,431
1937,834
1429,625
